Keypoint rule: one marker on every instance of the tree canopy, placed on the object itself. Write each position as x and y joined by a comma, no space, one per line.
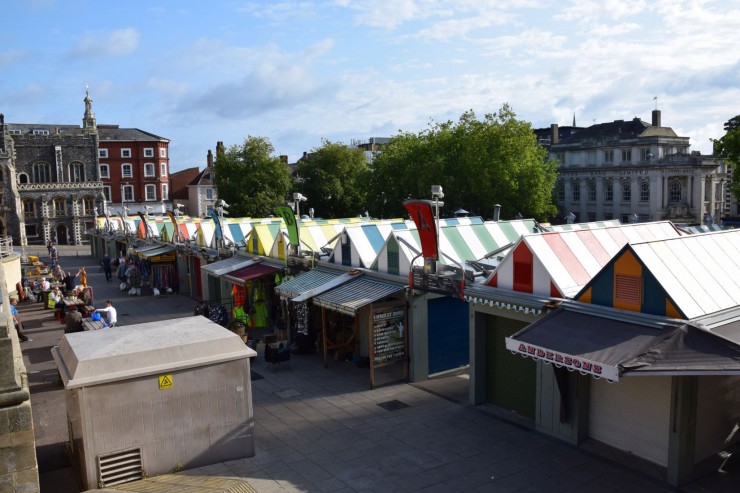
728,148
479,163
334,179
250,179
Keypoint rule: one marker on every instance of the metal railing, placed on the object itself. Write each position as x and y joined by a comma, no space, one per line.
6,246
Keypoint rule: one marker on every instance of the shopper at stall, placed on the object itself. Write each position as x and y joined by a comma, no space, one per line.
111,318
17,321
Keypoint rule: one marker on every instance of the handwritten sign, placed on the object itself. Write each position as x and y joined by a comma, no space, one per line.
389,339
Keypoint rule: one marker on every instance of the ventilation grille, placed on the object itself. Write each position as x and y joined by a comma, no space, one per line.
120,467
628,289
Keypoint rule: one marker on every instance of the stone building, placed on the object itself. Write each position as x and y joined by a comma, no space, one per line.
50,180
636,171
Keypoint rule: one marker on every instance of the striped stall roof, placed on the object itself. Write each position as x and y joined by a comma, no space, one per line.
705,228
305,282
206,235
350,297
317,235
364,242
398,251
263,240
591,225
700,273
567,260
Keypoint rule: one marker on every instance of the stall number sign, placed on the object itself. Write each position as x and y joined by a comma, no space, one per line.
165,382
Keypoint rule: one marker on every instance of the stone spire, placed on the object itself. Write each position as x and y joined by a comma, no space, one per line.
88,121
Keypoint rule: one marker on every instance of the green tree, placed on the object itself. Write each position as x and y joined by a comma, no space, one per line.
728,148
250,179
479,163
334,179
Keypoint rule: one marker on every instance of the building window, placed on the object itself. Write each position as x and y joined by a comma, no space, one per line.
575,158
591,217
148,152
31,231
103,153
576,192
128,193
88,206
164,192
561,190
41,173
60,207
608,216
674,195
150,193
149,170
591,157
592,190
41,132
125,153
29,208
162,169
560,156
127,171
209,194
104,171
626,155
609,156
626,192
645,191
162,152
76,172
645,154
608,191
106,193
22,178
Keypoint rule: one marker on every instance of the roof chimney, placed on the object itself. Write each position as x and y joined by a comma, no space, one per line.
209,159
554,137
656,118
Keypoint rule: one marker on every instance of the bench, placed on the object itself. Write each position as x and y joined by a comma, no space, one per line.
90,324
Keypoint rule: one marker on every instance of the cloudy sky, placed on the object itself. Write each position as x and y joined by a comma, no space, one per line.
198,72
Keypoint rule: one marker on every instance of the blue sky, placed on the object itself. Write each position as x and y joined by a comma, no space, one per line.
198,72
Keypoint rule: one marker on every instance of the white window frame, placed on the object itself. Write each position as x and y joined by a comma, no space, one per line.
126,152
162,152
209,194
150,189
103,153
106,167
149,170
130,168
165,190
162,169
106,193
149,152
124,190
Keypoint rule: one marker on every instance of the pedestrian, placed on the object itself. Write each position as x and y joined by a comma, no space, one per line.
83,276
111,318
54,255
106,262
68,281
17,321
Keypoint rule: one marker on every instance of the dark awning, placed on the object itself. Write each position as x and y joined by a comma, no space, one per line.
609,348
350,297
241,276
305,282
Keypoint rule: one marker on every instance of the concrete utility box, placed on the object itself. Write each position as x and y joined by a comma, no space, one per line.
152,398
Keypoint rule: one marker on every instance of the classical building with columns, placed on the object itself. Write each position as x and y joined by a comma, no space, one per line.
636,171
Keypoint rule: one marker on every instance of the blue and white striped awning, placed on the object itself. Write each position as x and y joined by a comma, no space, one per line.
305,282
349,298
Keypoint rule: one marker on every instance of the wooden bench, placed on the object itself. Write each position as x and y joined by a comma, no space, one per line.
90,324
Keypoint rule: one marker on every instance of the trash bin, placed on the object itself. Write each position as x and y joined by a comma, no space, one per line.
148,399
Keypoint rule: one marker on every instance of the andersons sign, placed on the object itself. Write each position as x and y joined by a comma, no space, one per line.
583,365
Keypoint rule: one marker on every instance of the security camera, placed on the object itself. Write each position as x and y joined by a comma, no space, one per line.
224,204
299,197
437,191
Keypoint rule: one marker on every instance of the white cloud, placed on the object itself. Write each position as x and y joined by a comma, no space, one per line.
107,44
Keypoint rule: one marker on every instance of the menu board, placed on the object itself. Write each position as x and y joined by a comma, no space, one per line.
388,337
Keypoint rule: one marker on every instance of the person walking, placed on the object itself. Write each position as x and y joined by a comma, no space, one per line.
54,255
17,321
111,314
106,263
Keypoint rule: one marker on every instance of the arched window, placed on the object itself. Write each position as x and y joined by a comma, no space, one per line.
60,207
675,192
76,172
645,191
41,173
608,191
88,206
29,208
22,178
626,192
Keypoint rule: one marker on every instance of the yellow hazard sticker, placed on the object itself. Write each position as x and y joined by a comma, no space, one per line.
165,382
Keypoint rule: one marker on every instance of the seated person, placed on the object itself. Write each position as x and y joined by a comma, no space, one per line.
111,318
45,285
84,295
73,320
